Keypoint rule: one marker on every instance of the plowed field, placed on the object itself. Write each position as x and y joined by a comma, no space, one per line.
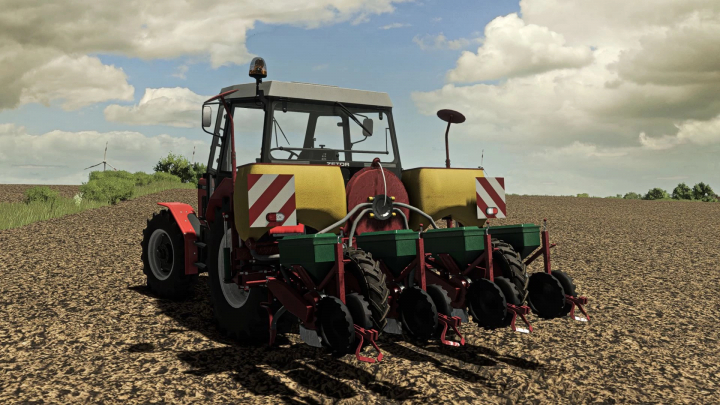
77,323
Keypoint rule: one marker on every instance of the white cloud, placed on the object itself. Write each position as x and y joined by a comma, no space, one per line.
691,131
59,157
431,42
177,107
320,67
46,40
394,25
512,48
614,95
77,80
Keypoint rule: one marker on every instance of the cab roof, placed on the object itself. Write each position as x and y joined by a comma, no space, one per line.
309,91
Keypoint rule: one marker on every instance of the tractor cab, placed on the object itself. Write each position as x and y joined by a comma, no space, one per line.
302,124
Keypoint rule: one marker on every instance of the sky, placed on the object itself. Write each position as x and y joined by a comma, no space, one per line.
563,96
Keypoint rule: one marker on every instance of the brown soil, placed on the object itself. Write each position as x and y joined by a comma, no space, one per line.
78,324
16,192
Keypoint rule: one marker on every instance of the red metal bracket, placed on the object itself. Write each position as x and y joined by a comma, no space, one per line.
420,259
267,306
579,302
453,322
522,311
340,264
488,258
371,335
180,212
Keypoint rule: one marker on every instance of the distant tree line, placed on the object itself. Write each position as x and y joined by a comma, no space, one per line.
699,192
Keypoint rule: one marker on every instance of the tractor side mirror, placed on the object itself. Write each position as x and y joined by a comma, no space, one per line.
368,123
206,116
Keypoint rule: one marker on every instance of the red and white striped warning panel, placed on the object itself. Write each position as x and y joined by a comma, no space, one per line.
271,199
490,194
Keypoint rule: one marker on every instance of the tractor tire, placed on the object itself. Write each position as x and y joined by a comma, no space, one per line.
238,314
163,257
512,268
372,285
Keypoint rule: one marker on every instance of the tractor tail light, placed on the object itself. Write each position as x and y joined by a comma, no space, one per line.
491,211
275,217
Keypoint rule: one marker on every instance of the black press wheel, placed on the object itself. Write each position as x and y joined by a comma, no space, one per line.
163,256
335,325
442,301
487,304
359,310
568,286
546,295
511,296
418,314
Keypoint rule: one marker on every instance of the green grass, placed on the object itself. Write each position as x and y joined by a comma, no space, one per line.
14,215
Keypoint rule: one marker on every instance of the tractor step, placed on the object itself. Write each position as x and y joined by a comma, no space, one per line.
200,265
201,245
371,335
577,302
522,311
453,322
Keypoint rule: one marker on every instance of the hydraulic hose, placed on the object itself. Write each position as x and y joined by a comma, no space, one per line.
354,225
382,171
342,221
410,207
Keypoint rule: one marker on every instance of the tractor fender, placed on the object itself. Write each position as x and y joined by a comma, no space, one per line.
189,225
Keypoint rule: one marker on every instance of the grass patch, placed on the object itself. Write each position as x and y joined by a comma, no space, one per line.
37,208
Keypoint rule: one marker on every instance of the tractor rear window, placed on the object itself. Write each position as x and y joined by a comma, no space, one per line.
326,133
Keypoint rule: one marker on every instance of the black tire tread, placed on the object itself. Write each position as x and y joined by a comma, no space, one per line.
377,291
568,286
514,269
247,324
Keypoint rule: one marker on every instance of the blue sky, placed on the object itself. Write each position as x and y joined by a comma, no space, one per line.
590,102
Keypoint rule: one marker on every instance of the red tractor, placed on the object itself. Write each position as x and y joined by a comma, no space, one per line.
312,227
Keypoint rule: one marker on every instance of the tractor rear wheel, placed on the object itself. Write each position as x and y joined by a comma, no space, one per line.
163,257
237,312
371,282
512,268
